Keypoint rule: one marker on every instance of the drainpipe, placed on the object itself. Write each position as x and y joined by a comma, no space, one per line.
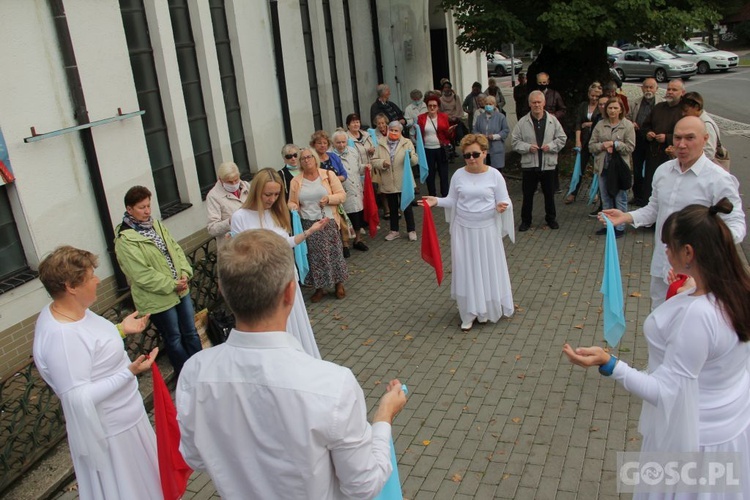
81,115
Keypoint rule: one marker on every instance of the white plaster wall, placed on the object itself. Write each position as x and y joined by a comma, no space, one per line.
250,26
343,70
364,55
322,65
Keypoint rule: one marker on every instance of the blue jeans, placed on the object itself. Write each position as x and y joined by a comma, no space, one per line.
177,328
620,201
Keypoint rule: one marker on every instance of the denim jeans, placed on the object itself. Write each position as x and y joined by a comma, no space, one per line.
177,328
620,201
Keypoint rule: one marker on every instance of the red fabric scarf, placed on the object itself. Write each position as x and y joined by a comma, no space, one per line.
371,207
430,244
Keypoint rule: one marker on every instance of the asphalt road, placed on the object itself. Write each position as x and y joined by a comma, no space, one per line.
724,94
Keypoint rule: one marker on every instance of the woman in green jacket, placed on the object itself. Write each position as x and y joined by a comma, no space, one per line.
158,272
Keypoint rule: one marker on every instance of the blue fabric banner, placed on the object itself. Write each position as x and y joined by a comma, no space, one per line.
423,168
407,184
373,136
300,251
614,302
576,178
594,189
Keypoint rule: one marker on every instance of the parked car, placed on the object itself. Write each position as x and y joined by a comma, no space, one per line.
706,57
498,64
660,64
612,53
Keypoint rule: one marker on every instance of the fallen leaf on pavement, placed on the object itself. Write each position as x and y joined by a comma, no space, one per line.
344,327
368,342
408,337
516,420
521,376
456,478
580,327
426,442
635,294
518,356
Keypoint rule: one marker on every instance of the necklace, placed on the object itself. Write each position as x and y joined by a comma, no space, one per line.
63,314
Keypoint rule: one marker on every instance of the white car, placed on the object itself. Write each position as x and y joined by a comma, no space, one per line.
498,64
706,57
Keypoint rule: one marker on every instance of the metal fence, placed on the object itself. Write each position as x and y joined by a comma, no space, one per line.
31,417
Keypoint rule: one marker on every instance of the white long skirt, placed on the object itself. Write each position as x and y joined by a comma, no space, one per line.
298,324
132,471
480,283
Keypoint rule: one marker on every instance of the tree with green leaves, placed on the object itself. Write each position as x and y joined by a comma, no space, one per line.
574,34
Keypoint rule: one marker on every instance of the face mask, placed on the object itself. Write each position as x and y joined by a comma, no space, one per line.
648,95
393,136
417,102
292,167
231,188
543,86
488,108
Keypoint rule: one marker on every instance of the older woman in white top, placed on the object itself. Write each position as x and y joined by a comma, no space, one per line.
476,198
224,199
81,356
695,390
354,204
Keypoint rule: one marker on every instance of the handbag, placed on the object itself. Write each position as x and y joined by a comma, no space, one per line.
220,323
619,176
722,156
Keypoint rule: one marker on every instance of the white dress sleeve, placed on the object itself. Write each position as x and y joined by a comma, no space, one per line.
670,392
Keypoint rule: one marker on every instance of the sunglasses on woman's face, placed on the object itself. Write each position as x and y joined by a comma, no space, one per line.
289,157
474,155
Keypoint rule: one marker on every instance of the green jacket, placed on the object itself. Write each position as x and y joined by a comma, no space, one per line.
151,282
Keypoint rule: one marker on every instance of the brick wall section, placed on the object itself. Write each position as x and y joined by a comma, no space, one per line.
16,341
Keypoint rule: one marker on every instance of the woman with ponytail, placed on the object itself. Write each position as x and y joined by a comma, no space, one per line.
696,389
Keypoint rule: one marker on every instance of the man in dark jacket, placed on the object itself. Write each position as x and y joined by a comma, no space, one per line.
383,105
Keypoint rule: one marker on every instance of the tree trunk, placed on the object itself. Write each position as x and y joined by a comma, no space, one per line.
571,72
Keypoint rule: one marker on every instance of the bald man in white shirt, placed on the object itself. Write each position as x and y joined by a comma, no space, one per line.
691,178
262,417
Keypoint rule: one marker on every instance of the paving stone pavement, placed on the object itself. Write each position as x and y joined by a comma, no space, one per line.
496,412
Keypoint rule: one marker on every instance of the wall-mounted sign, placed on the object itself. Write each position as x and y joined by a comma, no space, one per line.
6,173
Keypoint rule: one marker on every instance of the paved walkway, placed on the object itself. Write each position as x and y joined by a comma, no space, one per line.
496,412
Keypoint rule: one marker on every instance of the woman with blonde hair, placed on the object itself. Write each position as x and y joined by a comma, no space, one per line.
480,214
266,208
317,194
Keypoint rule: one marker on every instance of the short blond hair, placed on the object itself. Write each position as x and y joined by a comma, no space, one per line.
479,139
226,169
66,266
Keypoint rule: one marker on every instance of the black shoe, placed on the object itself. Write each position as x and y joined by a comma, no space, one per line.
360,245
619,233
553,225
601,231
595,213
524,227
347,253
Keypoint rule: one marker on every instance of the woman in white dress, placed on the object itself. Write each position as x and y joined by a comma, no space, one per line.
480,214
695,391
81,356
265,208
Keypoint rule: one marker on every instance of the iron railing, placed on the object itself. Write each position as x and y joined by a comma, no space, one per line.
31,417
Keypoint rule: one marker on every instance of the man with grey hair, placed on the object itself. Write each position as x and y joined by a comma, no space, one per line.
658,129
262,417
691,178
641,110
538,137
384,105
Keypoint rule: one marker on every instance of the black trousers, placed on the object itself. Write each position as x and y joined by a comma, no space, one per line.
358,219
437,162
655,156
394,204
639,180
530,180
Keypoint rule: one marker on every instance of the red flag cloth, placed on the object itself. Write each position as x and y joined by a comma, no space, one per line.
173,471
675,285
371,207
430,244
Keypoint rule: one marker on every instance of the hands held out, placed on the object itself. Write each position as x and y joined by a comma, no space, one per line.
132,324
615,216
391,403
320,224
430,201
143,362
586,356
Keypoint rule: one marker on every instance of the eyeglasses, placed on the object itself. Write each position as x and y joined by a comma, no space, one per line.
303,158
474,155
289,157
432,105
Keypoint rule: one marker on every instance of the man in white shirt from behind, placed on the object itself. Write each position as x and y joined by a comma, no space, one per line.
262,417
691,178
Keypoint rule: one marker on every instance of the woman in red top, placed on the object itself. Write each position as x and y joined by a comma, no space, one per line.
437,133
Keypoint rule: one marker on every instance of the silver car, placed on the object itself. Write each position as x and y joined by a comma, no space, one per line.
498,64
657,63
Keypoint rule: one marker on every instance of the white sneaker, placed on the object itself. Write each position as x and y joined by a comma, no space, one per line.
412,236
392,236
362,231
465,327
